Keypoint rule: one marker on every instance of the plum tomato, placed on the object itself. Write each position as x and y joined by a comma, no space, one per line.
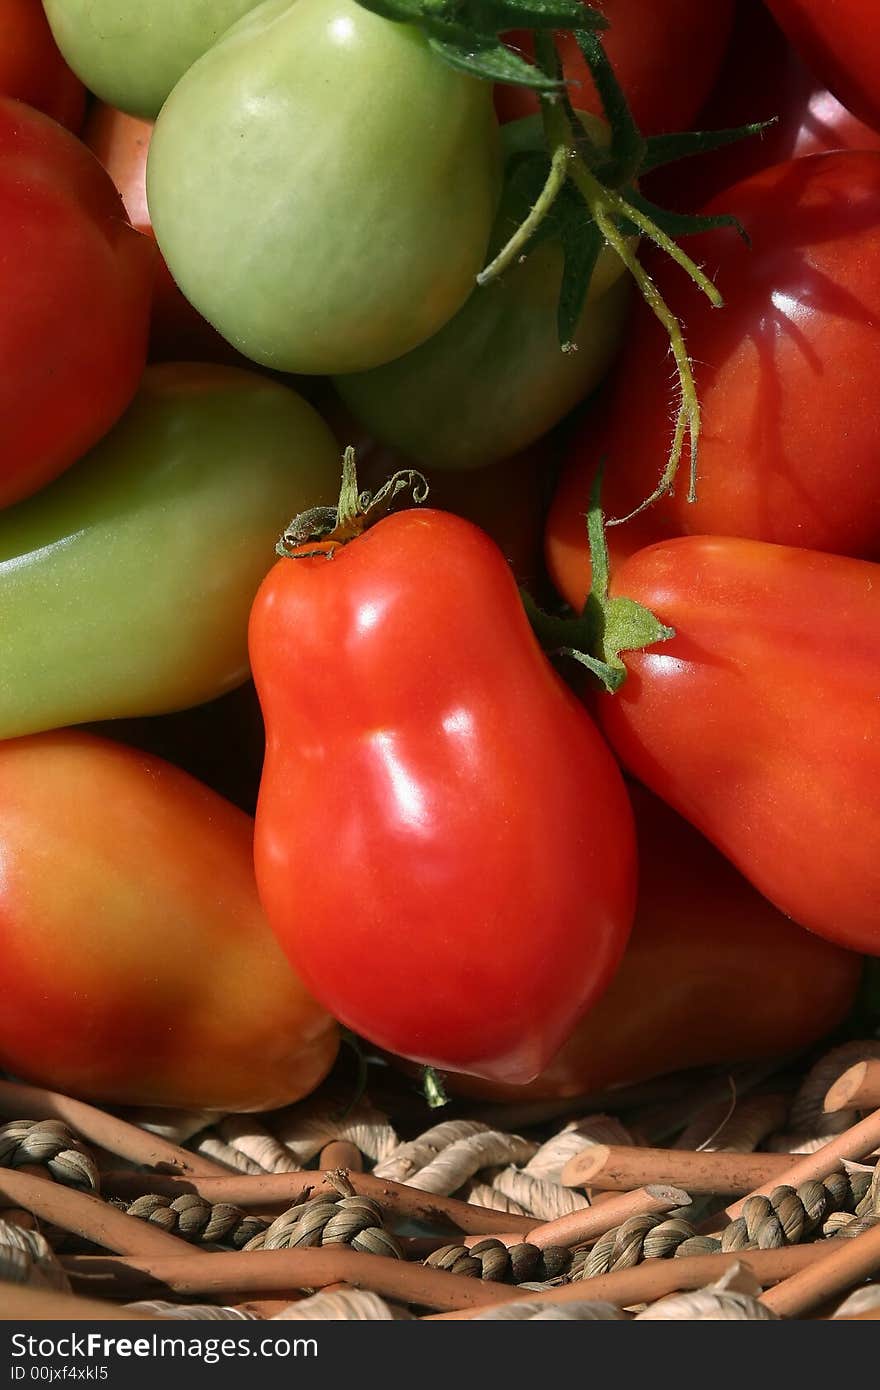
759,720
713,974
444,844
785,374
76,282
136,964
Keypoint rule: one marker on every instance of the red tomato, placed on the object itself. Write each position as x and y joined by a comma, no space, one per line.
760,720
719,975
177,331
665,53
75,283
762,79
136,963
31,67
785,373
444,844
840,39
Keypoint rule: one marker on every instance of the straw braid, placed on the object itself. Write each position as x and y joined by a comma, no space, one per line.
49,1144
195,1219
347,1220
27,1258
788,1216
491,1259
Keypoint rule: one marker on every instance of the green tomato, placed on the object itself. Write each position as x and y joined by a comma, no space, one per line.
130,53
495,378
125,586
322,186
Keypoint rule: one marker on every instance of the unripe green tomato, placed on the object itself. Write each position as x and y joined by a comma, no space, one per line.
125,586
130,53
323,186
495,378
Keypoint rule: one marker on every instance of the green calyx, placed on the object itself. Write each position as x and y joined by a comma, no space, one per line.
578,190
466,33
608,625
355,511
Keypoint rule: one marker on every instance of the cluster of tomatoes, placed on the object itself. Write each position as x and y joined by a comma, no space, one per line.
446,856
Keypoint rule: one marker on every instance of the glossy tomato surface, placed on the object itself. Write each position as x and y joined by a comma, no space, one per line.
125,587
713,973
136,963
444,844
31,67
759,721
665,54
841,42
762,79
323,186
785,374
76,282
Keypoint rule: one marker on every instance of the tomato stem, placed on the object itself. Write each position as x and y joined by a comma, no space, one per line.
608,208
348,509
552,188
354,512
607,625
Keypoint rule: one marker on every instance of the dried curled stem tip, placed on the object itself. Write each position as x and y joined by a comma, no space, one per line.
329,527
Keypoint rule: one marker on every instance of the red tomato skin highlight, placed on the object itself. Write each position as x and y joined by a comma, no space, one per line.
785,374
444,844
762,79
653,47
841,43
759,722
32,68
76,281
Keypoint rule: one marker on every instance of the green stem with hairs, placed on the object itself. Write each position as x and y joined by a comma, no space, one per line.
514,247
605,206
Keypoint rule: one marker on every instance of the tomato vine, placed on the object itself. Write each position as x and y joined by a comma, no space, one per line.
584,192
